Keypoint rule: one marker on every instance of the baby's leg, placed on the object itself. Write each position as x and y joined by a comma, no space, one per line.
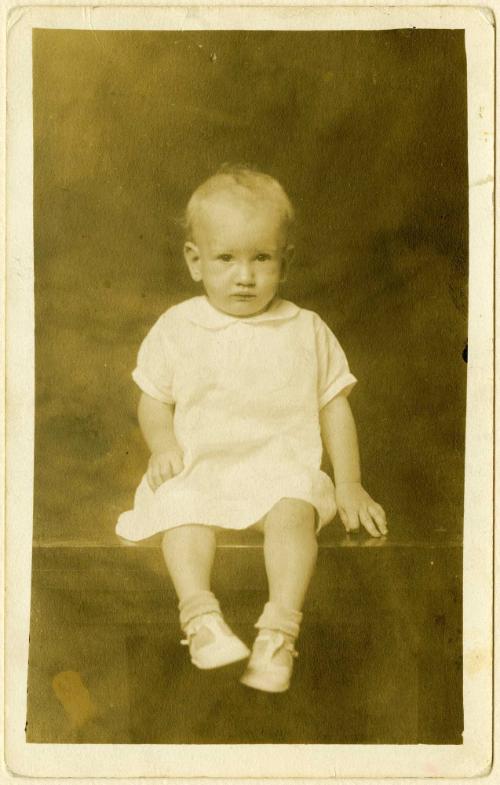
189,553
290,551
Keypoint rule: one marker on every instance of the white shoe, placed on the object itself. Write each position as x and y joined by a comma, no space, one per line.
271,664
211,642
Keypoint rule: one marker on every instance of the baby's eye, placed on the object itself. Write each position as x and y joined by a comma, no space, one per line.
263,257
224,257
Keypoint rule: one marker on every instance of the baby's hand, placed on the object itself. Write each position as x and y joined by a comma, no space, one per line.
163,466
357,507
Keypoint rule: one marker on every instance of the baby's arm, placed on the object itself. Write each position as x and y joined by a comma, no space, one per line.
156,420
355,505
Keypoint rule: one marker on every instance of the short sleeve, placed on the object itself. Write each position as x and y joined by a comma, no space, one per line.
154,371
334,375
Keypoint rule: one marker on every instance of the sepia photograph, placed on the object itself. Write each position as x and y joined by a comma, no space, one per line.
253,303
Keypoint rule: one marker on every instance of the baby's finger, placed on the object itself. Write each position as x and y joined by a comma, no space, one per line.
165,472
368,523
151,478
156,472
344,519
352,520
378,516
177,464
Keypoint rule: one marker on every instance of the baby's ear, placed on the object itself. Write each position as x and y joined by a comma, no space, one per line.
192,257
286,261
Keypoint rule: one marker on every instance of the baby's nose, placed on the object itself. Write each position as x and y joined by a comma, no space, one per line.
245,273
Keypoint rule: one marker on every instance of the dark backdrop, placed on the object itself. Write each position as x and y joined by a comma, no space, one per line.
367,132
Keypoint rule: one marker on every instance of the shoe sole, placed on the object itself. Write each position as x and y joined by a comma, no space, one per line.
257,684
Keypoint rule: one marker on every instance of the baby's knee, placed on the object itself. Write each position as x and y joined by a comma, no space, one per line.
292,515
126,543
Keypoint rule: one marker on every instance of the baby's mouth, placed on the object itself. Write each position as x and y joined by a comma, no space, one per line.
243,296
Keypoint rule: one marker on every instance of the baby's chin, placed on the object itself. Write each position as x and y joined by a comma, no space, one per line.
242,306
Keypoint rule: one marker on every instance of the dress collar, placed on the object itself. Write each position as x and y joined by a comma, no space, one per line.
201,312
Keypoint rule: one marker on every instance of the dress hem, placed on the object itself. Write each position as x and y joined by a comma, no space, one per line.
322,520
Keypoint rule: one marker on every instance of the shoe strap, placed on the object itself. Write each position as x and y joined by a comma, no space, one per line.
208,620
277,642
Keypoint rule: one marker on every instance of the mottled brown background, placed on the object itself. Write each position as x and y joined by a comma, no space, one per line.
366,131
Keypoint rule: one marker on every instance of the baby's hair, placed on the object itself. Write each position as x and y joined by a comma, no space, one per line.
234,178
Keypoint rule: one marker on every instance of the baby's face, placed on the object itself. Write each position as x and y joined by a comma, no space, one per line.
240,254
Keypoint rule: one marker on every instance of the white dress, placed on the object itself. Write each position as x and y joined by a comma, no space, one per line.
247,395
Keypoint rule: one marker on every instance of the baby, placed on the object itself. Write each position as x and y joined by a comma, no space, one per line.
240,391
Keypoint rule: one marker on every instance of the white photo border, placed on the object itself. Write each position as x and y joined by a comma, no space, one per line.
473,758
